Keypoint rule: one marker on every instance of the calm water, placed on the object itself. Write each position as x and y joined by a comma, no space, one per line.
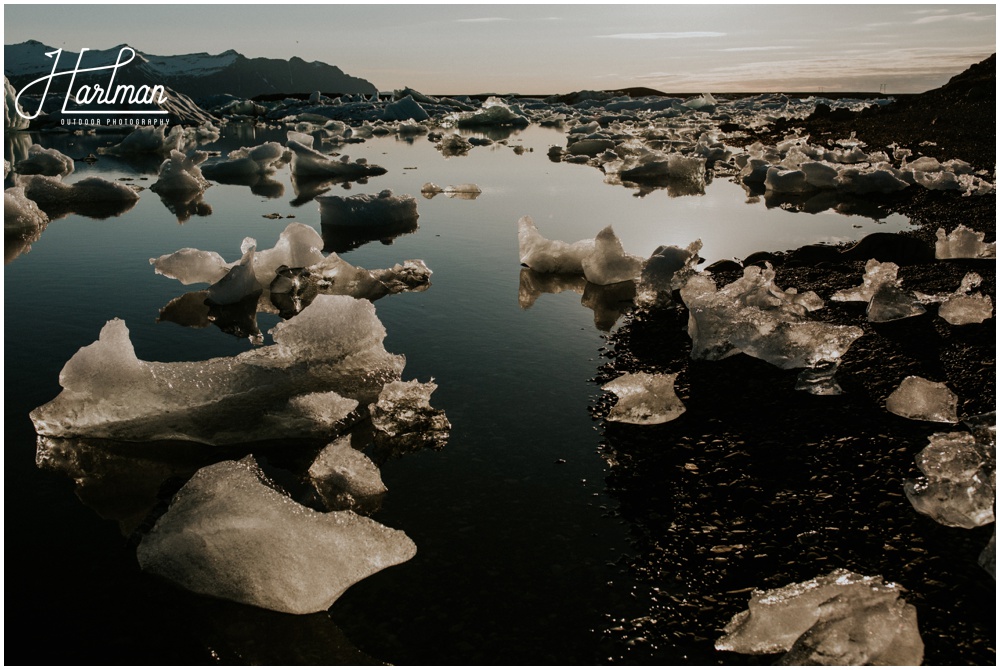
515,546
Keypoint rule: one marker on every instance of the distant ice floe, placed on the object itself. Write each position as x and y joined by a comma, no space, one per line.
842,618
228,533
307,162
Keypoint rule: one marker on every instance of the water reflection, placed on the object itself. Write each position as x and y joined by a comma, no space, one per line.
307,188
184,205
240,319
609,303
341,239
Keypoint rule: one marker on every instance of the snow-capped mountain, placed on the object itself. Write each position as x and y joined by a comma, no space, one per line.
196,75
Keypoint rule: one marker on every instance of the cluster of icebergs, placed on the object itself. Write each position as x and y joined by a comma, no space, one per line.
229,532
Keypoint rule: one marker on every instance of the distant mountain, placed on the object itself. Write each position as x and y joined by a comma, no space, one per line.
196,75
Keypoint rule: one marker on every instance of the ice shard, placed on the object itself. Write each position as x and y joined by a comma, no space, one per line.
957,484
876,276
230,535
334,345
645,399
842,618
923,400
608,263
404,419
180,175
550,256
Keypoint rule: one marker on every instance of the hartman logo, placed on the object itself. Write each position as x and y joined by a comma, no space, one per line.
106,97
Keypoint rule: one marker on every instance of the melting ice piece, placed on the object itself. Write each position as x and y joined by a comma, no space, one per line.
148,140
50,191
876,276
963,243
335,344
368,210
307,162
247,162
341,469
493,113
239,282
644,398
963,307
404,418
841,618
608,263
180,174
555,256
957,486
453,145
752,315
229,535
49,162
988,559
923,400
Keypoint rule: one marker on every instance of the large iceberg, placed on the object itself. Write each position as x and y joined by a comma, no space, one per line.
230,535
923,400
841,618
644,398
958,479
333,346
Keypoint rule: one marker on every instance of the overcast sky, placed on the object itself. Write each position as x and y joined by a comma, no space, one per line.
557,48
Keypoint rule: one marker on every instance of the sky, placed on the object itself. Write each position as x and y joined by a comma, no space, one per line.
558,48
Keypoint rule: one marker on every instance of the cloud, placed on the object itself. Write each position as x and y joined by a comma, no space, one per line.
965,16
485,19
774,48
661,36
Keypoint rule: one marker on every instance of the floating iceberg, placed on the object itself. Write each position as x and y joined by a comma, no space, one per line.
453,145
923,400
460,191
839,619
665,271
404,419
752,315
148,140
368,210
21,214
247,163
93,196
494,112
229,535
307,162
963,243
403,109
957,486
341,470
334,345
180,175
550,256
49,162
644,398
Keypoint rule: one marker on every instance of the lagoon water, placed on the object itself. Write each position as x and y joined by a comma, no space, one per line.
517,541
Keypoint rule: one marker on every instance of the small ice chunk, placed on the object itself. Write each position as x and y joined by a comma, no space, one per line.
247,162
192,266
463,191
148,140
644,398
589,146
343,469
453,145
665,271
891,303
327,409
46,191
608,263
49,162
239,282
963,307
963,243
494,112
923,400
786,181
430,189
368,210
957,486
842,618
550,256
404,419
229,535
403,109
180,174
